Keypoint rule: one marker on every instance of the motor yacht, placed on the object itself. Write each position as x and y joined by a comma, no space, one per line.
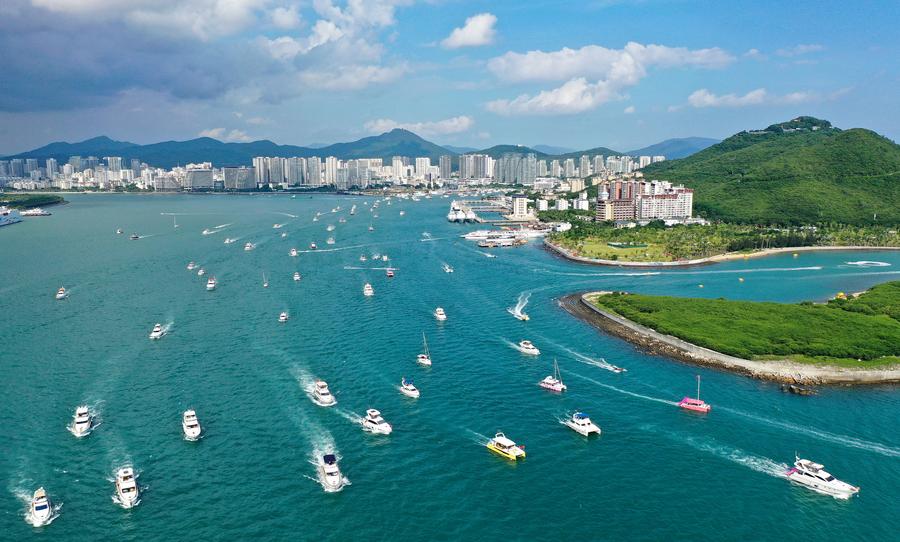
439,314
329,474
363,258
330,227
211,284
283,317
329,241
526,347
82,422
371,228
696,405
582,424
229,240
296,276
62,293
506,448
208,231
191,266
119,231
408,389
322,395
368,291
425,357
277,226
134,237
617,369
553,382
157,332
41,508
190,425
312,246
249,246
389,273
284,235
374,423
293,253
815,477
447,268
201,272
127,488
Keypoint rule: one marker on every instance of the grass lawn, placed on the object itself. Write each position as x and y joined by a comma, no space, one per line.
598,248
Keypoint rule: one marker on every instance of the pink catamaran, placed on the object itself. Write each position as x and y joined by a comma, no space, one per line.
689,403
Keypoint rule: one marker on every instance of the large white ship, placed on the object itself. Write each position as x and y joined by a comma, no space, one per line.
9,216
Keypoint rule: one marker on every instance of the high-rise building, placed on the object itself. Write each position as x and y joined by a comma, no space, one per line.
16,167
113,163
75,162
422,165
446,166
331,167
555,169
542,169
314,171
569,170
276,170
136,166
239,178
598,163
51,167
584,166
261,168
4,168
31,164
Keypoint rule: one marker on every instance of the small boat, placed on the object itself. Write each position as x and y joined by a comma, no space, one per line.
277,226
211,284
363,258
389,273
191,266
439,314
229,240
190,425
316,218
312,246
425,357
689,403
330,227
402,213
283,317
371,228
518,315
447,268
62,293
329,473
506,448
134,237
41,509
127,488
368,291
322,395
374,423
526,347
119,231
157,331
384,257
174,221
293,253
265,281
283,234
553,382
208,231
201,272
815,477
296,276
408,389
342,220
82,421
329,241
582,424
249,246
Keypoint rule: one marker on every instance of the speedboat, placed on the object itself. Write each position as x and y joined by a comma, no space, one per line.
374,423
81,421
368,291
322,395
402,213
527,348
363,258
127,488
119,231
41,509
447,268
815,477
296,276
201,272
690,403
617,369
208,231
329,241
283,317
553,382
312,246
408,389
157,332
277,226
211,284
440,314
389,273
283,234
293,253
518,314
249,246
506,448
371,228
190,425
316,218
330,475
582,424
229,240
191,266
425,357
342,220
61,293
265,281
134,237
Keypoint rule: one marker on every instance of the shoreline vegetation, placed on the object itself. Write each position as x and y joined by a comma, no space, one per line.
30,200
846,341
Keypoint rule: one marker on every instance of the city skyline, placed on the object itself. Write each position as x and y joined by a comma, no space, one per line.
618,74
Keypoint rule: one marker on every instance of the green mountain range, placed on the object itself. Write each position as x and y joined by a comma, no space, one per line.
803,171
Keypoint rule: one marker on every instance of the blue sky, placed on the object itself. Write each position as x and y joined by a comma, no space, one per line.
621,74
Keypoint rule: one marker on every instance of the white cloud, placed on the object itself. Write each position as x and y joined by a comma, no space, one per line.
478,30
351,77
799,50
574,96
629,110
754,54
215,133
238,136
704,98
223,135
285,17
453,125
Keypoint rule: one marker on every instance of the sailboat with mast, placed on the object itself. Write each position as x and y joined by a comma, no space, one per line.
690,403
553,382
425,357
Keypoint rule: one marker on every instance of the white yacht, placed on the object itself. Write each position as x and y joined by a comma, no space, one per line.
296,276
582,424
157,332
553,382
330,227
293,253
425,357
127,488
439,314
363,258
329,474
447,268
384,257
211,284
368,291
41,508
190,425
527,348
249,246
371,228
506,448
81,422
277,226
408,389
312,246
283,317
201,272
815,477
191,266
322,395
62,293
284,235
374,423
329,241
229,240
402,213
208,231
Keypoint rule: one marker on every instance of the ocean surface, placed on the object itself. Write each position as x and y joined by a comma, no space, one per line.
656,472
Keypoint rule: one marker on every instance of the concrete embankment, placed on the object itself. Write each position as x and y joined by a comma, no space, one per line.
579,305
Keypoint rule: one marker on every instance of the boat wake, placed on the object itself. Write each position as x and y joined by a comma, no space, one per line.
520,305
307,383
24,496
757,270
477,437
324,444
351,417
220,226
600,363
625,392
620,274
867,263
285,214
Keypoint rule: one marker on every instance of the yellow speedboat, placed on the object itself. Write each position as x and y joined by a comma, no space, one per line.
505,447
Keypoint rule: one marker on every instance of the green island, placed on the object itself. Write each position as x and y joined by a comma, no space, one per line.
25,200
859,331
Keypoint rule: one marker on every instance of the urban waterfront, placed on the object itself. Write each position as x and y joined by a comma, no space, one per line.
656,472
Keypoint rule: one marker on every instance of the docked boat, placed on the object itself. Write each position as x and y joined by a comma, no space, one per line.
690,403
157,332
814,476
127,488
9,216
293,253
36,211
82,421
368,291
329,473
62,293
134,237
582,424
389,273
447,268
211,284
312,246
374,423
322,396
408,389
283,317
425,357
526,347
190,425
41,508
329,241
191,266
553,382
439,314
229,240
296,276
363,258
506,448
201,272
249,246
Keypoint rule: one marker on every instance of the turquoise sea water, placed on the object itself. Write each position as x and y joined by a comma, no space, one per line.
655,473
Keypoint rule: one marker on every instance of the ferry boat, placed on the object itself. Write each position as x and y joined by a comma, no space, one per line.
191,266
425,357
157,332
249,246
229,240
506,448
283,317
81,421
582,424
439,314
293,253
296,276
312,246
389,273
553,382
36,211
368,291
374,423
815,477
190,425
696,405
211,284
526,347
134,237
408,389
62,293
329,241
322,395
127,488
447,268
329,474
41,508
9,216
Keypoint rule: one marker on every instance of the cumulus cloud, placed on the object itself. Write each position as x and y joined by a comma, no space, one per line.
705,98
215,133
593,75
453,125
754,54
222,134
629,110
798,50
285,17
351,77
478,30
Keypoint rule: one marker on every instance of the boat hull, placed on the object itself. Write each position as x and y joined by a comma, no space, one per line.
504,454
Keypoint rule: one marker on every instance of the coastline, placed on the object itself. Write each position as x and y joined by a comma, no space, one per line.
784,371
702,261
